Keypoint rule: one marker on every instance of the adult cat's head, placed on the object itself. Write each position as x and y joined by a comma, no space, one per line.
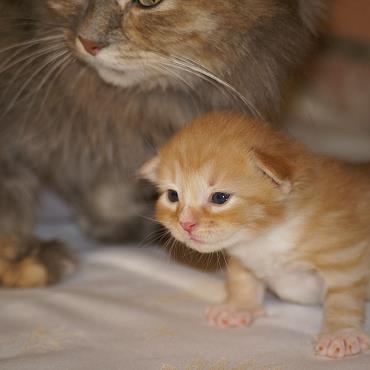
224,179
249,44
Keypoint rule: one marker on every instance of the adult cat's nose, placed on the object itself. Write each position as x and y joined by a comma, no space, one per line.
90,46
188,226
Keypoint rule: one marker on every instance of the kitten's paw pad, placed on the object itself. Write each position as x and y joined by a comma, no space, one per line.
343,343
26,263
225,316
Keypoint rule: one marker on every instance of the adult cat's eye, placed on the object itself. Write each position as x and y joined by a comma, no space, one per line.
220,198
148,3
172,196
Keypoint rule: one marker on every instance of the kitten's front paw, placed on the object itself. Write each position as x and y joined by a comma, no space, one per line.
342,343
227,316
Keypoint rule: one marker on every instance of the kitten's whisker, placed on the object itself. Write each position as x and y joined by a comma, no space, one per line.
157,233
218,263
148,218
153,237
225,259
170,247
149,239
209,258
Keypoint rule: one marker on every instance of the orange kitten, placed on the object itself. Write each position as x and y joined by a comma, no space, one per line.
289,220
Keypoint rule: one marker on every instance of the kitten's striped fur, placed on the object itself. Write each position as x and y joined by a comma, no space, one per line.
297,222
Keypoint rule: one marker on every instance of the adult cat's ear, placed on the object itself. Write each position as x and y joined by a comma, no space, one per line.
277,168
149,170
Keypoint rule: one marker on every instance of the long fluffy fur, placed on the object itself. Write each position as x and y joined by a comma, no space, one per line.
296,222
83,129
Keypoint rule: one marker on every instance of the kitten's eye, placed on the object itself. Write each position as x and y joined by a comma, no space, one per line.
147,3
172,195
220,198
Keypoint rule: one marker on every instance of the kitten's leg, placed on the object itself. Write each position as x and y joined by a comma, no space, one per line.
244,301
25,261
344,306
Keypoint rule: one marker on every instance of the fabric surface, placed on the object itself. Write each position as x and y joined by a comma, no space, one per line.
130,308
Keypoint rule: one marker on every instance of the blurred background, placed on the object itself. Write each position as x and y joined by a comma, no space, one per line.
331,112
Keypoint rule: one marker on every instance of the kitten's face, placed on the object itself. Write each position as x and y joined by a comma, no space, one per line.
130,41
214,193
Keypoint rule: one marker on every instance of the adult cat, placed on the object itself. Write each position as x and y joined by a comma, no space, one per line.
90,87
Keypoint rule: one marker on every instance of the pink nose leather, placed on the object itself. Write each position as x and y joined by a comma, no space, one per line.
91,47
188,226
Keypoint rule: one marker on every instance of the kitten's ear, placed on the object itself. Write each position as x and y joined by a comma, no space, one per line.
149,170
275,167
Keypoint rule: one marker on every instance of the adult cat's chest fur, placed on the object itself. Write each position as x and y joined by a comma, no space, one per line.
272,259
90,89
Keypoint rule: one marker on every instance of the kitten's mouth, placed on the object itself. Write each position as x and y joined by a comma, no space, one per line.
206,246
196,240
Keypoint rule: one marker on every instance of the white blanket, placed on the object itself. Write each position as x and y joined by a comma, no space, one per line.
130,308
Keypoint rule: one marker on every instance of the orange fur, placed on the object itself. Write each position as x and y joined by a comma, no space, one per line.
296,222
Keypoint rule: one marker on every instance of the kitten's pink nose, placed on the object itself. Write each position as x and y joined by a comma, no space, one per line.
188,226
90,46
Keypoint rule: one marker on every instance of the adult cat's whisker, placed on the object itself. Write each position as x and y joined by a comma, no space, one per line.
164,68
13,62
196,72
57,68
30,79
79,76
19,71
196,67
31,42
35,20
65,62
31,57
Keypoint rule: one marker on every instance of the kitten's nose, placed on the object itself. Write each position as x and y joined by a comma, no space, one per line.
90,46
188,226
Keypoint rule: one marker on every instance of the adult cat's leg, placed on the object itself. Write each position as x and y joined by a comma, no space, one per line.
120,210
25,260
244,300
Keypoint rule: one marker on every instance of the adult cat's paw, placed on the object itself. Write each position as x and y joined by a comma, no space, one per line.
31,262
342,343
226,316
